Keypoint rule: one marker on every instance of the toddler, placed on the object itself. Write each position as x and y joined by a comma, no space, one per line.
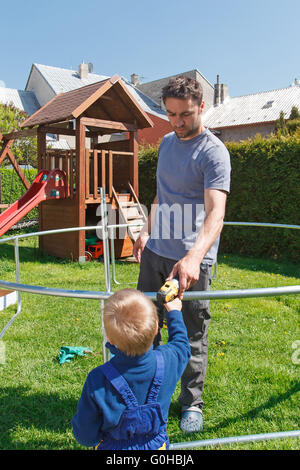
125,402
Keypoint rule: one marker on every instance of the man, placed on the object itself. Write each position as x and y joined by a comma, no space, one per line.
181,236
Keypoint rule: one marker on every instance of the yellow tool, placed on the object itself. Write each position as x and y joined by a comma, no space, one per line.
168,291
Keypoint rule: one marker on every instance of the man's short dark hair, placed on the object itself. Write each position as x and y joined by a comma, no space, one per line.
183,88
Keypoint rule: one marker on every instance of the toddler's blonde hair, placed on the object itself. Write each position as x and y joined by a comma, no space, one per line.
130,321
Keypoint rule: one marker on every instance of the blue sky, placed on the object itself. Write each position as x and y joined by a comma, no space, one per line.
252,44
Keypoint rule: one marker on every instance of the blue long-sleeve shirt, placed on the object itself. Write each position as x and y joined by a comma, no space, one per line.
100,406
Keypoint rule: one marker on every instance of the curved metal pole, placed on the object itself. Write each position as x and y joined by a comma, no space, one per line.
102,295
234,440
202,295
263,224
187,296
105,239
112,252
19,301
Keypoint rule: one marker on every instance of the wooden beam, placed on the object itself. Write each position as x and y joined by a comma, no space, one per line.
58,130
65,131
41,158
71,170
110,173
18,169
5,149
20,134
87,173
41,148
66,168
134,165
80,184
103,169
118,126
95,163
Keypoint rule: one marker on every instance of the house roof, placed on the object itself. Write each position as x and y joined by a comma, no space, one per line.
252,109
149,105
62,80
107,100
192,72
60,144
24,100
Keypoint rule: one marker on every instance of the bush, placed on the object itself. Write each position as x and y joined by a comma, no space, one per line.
12,188
147,174
24,150
264,188
293,125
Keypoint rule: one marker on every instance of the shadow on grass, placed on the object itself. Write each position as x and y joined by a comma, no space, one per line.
267,265
283,267
29,254
44,412
52,413
273,401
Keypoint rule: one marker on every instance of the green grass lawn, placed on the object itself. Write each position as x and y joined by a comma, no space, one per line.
252,382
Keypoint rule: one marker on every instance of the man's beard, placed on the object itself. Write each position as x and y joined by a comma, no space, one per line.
188,133
195,130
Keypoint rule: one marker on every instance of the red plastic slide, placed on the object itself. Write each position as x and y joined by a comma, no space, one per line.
46,185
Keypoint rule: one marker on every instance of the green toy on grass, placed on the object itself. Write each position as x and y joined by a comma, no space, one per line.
67,353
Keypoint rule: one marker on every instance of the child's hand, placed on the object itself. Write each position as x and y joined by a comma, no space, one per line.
175,304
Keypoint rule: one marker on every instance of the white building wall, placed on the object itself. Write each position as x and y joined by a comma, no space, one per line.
40,87
238,133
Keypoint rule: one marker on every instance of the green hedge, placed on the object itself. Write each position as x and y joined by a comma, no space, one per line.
12,187
264,188
147,174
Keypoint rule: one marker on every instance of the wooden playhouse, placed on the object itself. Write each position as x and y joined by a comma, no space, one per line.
85,114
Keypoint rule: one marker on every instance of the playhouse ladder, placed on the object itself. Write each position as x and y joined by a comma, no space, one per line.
131,212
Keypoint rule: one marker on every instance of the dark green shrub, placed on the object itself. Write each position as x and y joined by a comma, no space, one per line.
12,188
147,174
293,125
264,188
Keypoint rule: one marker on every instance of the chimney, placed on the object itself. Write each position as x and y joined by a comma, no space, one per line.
83,70
135,79
217,94
221,92
224,92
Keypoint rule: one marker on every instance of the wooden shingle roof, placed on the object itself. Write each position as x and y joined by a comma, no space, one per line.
107,99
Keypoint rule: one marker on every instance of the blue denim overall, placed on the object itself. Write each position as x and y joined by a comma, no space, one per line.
141,427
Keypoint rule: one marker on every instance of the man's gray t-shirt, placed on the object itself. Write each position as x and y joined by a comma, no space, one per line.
185,169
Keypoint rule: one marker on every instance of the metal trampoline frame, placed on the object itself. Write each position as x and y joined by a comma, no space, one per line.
108,233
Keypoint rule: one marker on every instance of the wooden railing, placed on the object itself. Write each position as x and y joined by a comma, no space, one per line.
64,160
99,170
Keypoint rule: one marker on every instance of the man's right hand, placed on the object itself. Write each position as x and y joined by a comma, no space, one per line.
139,246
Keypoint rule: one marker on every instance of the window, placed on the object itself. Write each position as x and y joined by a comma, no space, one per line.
268,104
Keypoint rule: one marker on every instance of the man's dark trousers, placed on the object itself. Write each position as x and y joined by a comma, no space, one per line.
154,270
